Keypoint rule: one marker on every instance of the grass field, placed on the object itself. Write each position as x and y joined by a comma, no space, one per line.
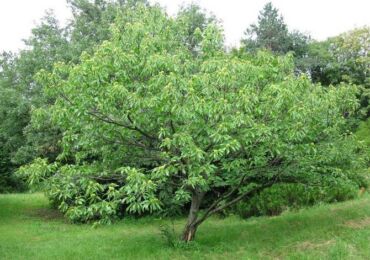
29,229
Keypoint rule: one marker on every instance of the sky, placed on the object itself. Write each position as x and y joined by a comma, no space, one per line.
319,18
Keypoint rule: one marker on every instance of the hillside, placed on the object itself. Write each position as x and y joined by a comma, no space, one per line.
31,230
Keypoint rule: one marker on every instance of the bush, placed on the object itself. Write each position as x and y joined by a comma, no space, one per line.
9,183
280,197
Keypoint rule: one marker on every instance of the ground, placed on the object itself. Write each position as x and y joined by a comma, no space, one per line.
30,229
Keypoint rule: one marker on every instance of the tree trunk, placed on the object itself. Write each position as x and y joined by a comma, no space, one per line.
191,225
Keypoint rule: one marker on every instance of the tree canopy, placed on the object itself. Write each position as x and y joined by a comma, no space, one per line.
147,125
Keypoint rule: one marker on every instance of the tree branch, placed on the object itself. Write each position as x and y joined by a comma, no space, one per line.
107,119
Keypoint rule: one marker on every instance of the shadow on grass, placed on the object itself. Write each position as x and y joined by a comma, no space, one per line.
47,214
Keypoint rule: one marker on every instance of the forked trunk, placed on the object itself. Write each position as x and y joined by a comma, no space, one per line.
189,233
191,225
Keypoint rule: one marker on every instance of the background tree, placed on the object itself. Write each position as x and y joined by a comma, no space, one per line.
344,58
271,33
20,92
194,18
91,22
47,44
13,117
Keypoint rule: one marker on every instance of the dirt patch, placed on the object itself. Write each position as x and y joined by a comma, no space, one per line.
361,223
308,245
301,246
46,214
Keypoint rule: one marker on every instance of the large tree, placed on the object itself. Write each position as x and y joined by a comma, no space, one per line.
149,124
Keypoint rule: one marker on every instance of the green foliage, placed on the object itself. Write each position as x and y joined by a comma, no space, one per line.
169,235
37,172
13,116
195,20
272,33
352,49
172,238
281,197
351,53
156,115
363,132
81,196
146,123
344,58
48,44
91,22
334,186
363,135
9,183
20,93
21,140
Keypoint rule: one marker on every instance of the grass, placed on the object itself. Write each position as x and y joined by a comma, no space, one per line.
363,132
29,229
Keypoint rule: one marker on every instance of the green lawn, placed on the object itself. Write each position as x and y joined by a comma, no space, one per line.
29,229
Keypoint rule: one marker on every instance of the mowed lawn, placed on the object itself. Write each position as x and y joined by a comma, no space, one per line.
30,229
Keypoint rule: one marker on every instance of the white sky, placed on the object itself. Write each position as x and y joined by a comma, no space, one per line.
320,18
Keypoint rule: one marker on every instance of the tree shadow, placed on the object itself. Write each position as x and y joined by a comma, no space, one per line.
48,214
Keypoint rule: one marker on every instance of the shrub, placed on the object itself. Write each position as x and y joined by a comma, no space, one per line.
10,183
280,197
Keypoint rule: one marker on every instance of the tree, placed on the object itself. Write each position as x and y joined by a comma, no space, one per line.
344,58
194,18
177,128
47,44
352,51
91,22
13,116
21,93
272,33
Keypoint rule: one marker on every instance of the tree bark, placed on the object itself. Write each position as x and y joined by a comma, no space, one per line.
192,225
